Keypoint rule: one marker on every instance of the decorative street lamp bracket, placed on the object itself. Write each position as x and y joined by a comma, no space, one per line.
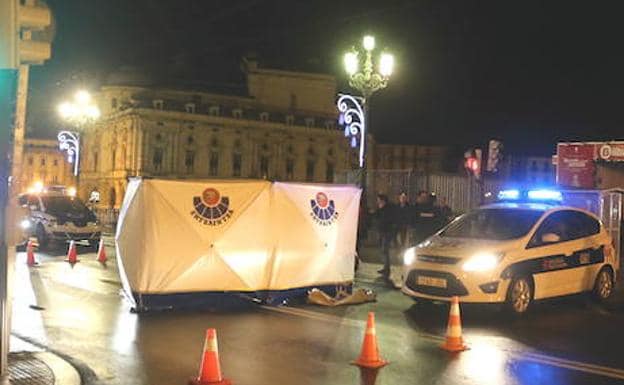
70,143
353,118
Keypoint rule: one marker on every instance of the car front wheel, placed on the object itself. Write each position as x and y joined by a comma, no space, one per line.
603,287
519,295
42,237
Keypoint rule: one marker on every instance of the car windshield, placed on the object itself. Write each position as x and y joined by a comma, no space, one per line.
64,205
493,224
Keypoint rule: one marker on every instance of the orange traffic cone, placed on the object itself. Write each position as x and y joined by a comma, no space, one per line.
454,341
369,357
210,369
101,254
72,254
30,254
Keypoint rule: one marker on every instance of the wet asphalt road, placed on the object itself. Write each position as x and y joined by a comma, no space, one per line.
80,312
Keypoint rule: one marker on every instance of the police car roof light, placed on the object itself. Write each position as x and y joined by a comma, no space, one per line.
509,195
545,195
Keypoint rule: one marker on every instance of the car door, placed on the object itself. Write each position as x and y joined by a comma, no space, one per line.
564,253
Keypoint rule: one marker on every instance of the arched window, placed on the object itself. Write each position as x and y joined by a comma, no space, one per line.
264,166
310,168
214,163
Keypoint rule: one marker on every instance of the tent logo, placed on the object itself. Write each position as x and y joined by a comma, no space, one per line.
323,210
211,208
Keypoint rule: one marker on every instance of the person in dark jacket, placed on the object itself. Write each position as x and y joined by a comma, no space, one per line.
385,216
404,215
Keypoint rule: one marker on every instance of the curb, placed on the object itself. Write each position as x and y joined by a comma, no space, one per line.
66,369
64,372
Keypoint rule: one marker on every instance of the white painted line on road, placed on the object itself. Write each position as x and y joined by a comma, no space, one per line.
599,370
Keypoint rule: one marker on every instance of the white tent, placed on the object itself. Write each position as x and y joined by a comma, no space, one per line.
195,238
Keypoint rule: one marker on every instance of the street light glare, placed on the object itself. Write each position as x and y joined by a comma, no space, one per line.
369,43
386,64
92,112
66,110
83,97
351,62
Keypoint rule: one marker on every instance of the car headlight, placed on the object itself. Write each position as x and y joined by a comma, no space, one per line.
25,224
482,262
409,256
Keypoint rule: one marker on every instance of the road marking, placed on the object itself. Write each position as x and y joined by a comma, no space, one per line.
599,370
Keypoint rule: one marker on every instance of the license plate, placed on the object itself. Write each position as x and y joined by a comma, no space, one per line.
431,281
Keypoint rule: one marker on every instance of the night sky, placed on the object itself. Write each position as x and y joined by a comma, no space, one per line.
526,72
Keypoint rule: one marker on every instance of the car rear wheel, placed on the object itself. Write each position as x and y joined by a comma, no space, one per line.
603,287
520,295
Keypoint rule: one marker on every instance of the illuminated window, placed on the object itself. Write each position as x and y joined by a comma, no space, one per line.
158,104
213,111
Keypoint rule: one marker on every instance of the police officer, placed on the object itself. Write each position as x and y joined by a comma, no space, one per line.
385,217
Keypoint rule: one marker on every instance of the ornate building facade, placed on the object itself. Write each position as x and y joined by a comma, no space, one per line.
282,128
45,163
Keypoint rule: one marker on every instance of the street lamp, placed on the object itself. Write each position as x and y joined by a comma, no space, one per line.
364,78
79,112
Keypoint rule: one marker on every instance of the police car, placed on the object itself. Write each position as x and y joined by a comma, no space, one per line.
57,215
526,247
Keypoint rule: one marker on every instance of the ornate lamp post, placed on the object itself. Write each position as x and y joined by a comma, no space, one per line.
79,113
364,78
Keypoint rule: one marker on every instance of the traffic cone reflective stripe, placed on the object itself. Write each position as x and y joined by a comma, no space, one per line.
101,255
210,369
369,356
30,254
454,341
72,254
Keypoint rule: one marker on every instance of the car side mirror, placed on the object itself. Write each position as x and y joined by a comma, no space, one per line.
550,238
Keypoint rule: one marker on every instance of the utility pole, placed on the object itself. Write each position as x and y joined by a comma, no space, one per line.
20,46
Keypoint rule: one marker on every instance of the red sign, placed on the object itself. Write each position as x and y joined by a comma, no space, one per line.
575,164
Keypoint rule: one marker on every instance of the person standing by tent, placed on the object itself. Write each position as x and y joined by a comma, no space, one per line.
404,218
385,216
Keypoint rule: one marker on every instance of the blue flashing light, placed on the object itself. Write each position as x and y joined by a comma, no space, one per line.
509,195
545,195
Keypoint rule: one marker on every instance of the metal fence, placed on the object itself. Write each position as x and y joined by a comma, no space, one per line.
460,192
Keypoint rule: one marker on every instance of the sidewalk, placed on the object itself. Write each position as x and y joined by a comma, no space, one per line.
30,365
